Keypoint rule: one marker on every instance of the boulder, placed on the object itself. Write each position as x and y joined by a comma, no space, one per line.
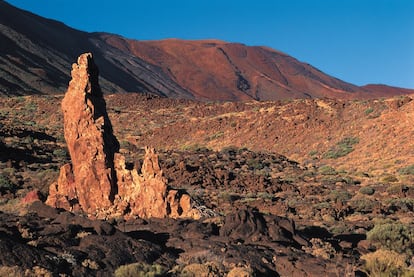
32,196
245,225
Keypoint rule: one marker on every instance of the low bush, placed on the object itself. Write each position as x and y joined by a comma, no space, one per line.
409,170
401,204
140,270
393,236
389,179
369,110
367,190
363,205
5,184
327,170
342,148
339,195
384,263
60,153
398,189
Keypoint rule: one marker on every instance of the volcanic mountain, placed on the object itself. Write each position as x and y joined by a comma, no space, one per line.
36,55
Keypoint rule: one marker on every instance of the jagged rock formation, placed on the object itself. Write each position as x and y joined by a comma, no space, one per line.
98,182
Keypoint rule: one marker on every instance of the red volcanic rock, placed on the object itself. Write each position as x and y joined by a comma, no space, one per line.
62,194
98,182
91,144
31,197
147,195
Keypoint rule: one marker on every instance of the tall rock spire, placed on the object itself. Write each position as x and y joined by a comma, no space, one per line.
97,181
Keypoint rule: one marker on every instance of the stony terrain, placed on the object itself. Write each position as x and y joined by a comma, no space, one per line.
317,181
292,187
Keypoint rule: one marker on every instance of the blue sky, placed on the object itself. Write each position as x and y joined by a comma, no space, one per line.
358,41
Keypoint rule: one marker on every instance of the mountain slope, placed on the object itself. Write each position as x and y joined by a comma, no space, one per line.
36,55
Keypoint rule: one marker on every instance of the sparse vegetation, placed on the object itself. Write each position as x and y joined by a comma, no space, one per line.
367,190
60,153
409,170
393,236
339,195
342,148
320,248
401,204
363,205
5,184
327,170
398,189
140,270
217,135
324,192
385,263
194,270
389,178
369,111
313,152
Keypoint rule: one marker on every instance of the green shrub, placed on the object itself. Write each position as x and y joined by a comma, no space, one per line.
313,153
369,110
140,270
255,164
367,190
393,236
322,205
265,195
363,205
60,153
342,148
397,189
30,106
217,135
403,204
327,170
339,195
409,170
6,184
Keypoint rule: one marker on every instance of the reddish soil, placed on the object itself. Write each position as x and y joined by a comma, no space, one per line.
274,166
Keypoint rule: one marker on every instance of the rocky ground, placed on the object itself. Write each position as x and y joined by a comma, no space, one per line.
294,188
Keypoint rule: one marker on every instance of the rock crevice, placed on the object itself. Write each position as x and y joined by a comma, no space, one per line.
97,181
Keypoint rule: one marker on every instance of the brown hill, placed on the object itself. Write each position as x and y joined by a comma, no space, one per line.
37,54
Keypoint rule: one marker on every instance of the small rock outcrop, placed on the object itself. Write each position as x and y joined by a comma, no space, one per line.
97,181
245,224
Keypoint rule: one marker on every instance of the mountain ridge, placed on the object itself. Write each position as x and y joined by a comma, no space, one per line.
38,53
